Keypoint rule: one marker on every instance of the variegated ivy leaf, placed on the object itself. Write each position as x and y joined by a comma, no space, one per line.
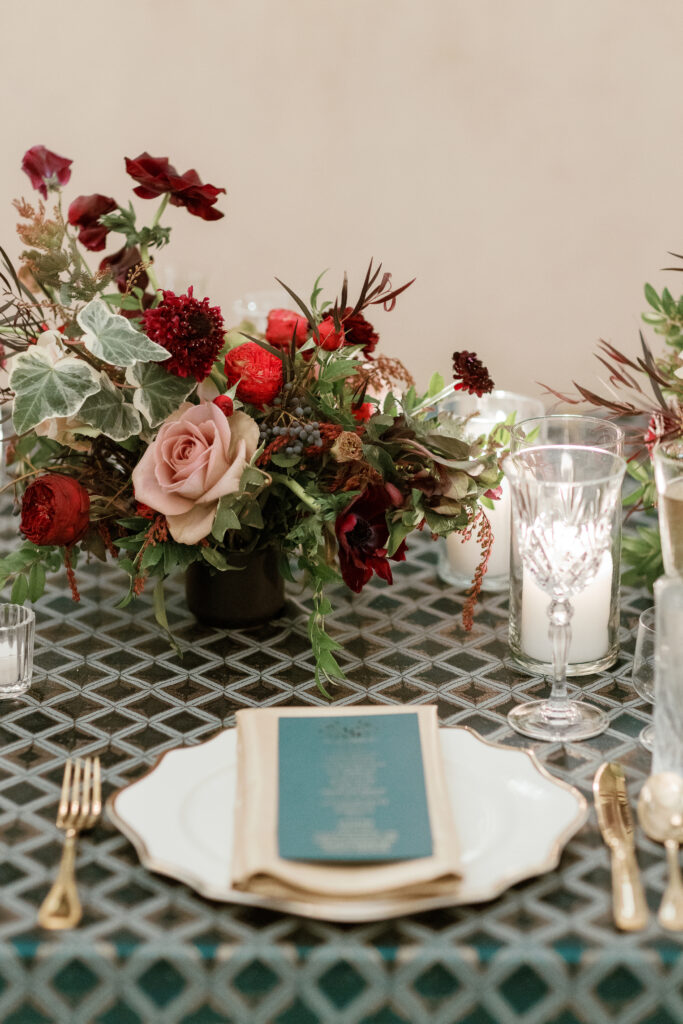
44,389
157,393
113,339
110,413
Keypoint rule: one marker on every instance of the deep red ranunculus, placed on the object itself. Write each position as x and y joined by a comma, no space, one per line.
256,372
330,338
55,510
362,534
85,213
282,324
45,168
158,176
120,264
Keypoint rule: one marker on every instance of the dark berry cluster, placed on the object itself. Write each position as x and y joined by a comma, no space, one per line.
297,431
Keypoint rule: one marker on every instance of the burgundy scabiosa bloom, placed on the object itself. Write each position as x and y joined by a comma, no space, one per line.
156,176
190,329
85,213
362,535
45,168
470,374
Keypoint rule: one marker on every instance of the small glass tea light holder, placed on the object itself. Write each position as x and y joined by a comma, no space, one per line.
253,307
458,558
17,632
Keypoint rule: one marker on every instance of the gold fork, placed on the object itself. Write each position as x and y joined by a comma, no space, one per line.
79,808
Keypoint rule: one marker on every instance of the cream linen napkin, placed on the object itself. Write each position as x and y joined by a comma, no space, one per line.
256,864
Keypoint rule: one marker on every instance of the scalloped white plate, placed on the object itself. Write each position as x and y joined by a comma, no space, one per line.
513,820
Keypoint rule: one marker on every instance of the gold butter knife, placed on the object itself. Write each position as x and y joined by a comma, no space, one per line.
616,825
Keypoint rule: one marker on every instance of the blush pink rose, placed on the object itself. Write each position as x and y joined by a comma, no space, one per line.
197,457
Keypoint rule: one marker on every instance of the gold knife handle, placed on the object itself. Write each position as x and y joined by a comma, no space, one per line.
630,908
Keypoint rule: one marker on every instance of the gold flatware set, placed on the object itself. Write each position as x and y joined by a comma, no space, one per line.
660,814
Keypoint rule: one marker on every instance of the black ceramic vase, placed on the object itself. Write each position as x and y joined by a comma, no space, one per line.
248,595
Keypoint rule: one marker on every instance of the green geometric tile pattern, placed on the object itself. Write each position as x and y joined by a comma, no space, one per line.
150,951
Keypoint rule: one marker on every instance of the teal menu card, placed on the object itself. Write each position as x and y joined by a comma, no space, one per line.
352,788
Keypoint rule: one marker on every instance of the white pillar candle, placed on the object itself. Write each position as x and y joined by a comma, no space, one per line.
9,668
465,556
589,624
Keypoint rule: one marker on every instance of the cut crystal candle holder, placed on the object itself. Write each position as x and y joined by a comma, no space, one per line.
17,631
595,633
563,502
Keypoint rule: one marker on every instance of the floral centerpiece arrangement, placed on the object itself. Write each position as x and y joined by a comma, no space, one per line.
148,433
646,389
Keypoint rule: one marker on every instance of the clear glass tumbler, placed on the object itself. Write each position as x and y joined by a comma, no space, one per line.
459,559
643,671
595,634
17,631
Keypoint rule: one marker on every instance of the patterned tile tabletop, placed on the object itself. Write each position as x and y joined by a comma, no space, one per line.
150,950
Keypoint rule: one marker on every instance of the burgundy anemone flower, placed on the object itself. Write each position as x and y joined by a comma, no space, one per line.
85,213
121,263
470,374
157,176
362,534
190,329
45,168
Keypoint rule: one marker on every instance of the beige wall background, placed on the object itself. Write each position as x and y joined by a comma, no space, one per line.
522,160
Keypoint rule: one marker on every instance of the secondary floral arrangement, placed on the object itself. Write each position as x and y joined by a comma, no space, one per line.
147,433
647,388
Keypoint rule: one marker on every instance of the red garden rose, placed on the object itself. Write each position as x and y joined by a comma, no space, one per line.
257,373
55,510
85,213
362,534
45,169
157,176
282,324
121,263
330,339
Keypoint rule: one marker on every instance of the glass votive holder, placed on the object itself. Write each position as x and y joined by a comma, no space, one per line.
668,460
17,631
459,559
254,307
595,626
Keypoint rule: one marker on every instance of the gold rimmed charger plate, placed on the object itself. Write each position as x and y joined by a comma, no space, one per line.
513,820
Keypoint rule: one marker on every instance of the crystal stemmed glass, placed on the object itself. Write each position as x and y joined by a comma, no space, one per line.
563,500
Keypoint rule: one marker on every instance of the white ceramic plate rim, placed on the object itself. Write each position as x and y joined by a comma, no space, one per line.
543,861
